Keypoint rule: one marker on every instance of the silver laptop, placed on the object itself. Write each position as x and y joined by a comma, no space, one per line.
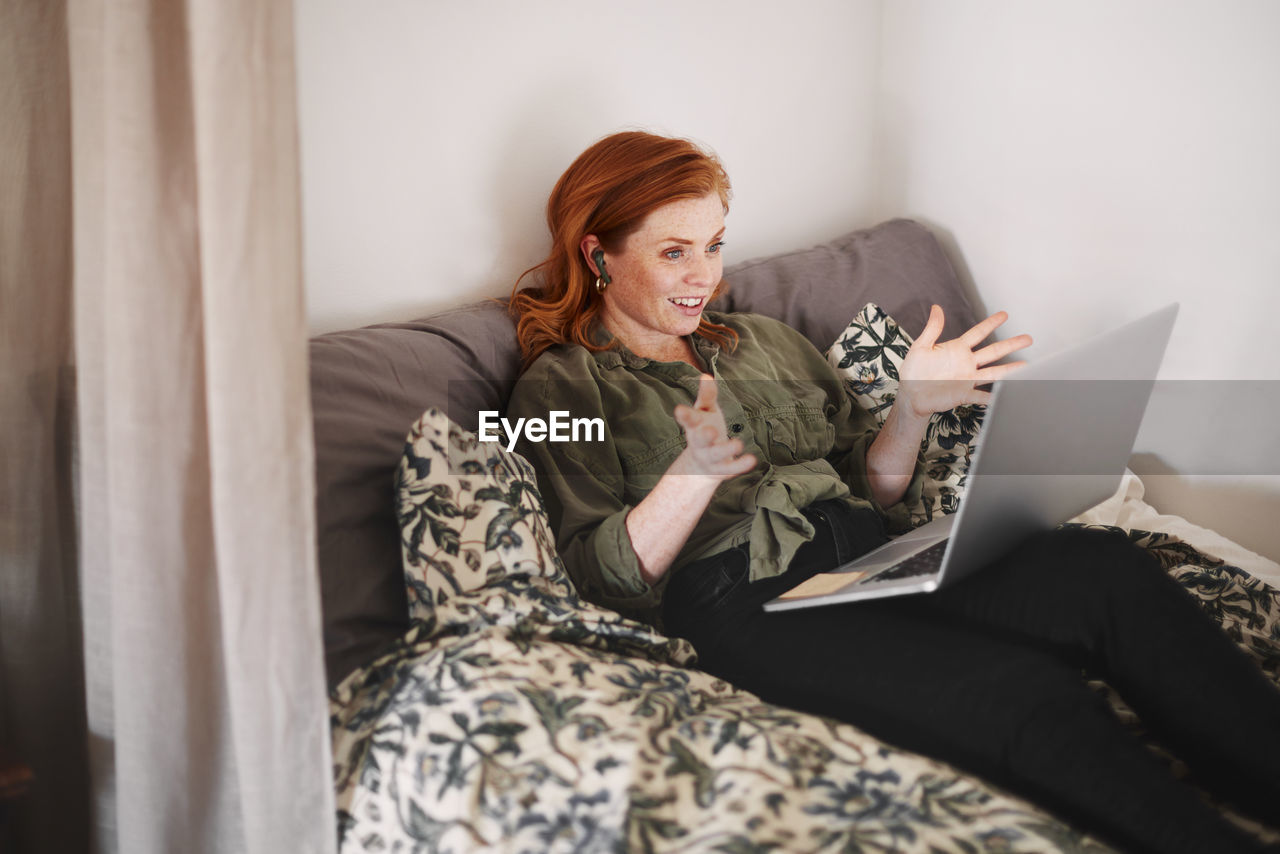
1056,438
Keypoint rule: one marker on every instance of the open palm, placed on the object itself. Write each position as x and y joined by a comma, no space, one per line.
936,377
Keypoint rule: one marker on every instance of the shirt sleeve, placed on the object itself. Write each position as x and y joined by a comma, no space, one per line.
582,484
856,430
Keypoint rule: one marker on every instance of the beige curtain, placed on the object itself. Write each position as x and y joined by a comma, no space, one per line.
202,677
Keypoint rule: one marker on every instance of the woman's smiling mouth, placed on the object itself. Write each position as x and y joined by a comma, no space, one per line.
688,305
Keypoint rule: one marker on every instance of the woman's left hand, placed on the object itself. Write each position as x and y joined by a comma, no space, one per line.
936,377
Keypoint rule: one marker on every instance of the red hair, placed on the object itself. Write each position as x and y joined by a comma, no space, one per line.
608,191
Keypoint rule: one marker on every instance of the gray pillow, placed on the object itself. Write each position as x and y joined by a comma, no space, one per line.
369,385
898,265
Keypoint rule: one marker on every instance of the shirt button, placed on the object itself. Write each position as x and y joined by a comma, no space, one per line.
737,428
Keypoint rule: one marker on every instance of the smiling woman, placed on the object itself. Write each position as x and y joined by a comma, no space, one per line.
666,272
597,207
734,467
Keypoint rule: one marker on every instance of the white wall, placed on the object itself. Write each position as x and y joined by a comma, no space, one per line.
433,131
1092,160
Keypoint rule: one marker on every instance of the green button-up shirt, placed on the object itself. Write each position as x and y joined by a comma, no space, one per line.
778,395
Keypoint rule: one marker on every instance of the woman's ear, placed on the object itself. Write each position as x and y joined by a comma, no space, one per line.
589,246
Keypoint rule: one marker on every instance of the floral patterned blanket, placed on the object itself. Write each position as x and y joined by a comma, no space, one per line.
515,716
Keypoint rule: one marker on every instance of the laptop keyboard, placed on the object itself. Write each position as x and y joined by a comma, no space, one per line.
926,562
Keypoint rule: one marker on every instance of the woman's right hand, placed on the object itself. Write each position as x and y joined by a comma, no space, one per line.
661,523
709,451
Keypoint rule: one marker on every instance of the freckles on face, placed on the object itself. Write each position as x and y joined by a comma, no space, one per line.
665,273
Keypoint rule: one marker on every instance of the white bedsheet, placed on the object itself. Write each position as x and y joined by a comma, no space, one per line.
1127,509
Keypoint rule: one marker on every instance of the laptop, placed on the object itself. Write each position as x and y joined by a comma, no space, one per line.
1055,441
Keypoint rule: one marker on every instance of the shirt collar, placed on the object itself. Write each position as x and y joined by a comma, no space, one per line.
619,355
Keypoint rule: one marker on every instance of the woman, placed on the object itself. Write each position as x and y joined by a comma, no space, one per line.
736,467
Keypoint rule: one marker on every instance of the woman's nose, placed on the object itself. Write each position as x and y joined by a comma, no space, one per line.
704,271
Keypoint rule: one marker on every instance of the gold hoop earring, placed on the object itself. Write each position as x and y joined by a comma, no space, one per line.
601,284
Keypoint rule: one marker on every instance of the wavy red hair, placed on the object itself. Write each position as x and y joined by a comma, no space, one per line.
608,191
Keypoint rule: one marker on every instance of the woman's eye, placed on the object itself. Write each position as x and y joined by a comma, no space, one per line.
674,254
715,248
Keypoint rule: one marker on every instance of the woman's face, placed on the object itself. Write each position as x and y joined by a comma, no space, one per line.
664,275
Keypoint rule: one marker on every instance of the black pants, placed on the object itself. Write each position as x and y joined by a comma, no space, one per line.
987,675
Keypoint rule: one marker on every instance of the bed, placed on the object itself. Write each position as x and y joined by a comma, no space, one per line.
479,704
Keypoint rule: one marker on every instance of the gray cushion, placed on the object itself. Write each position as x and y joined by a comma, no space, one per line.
898,265
369,385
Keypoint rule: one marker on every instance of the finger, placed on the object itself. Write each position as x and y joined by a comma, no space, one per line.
733,466
932,327
696,435
995,372
998,350
722,451
980,331
978,396
707,393
691,421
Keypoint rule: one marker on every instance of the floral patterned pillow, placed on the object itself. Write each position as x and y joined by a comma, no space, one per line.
867,355
470,515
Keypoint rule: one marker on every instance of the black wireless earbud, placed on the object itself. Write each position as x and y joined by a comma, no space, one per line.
598,257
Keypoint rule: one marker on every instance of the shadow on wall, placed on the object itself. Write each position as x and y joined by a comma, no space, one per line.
956,257
557,122
1243,508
